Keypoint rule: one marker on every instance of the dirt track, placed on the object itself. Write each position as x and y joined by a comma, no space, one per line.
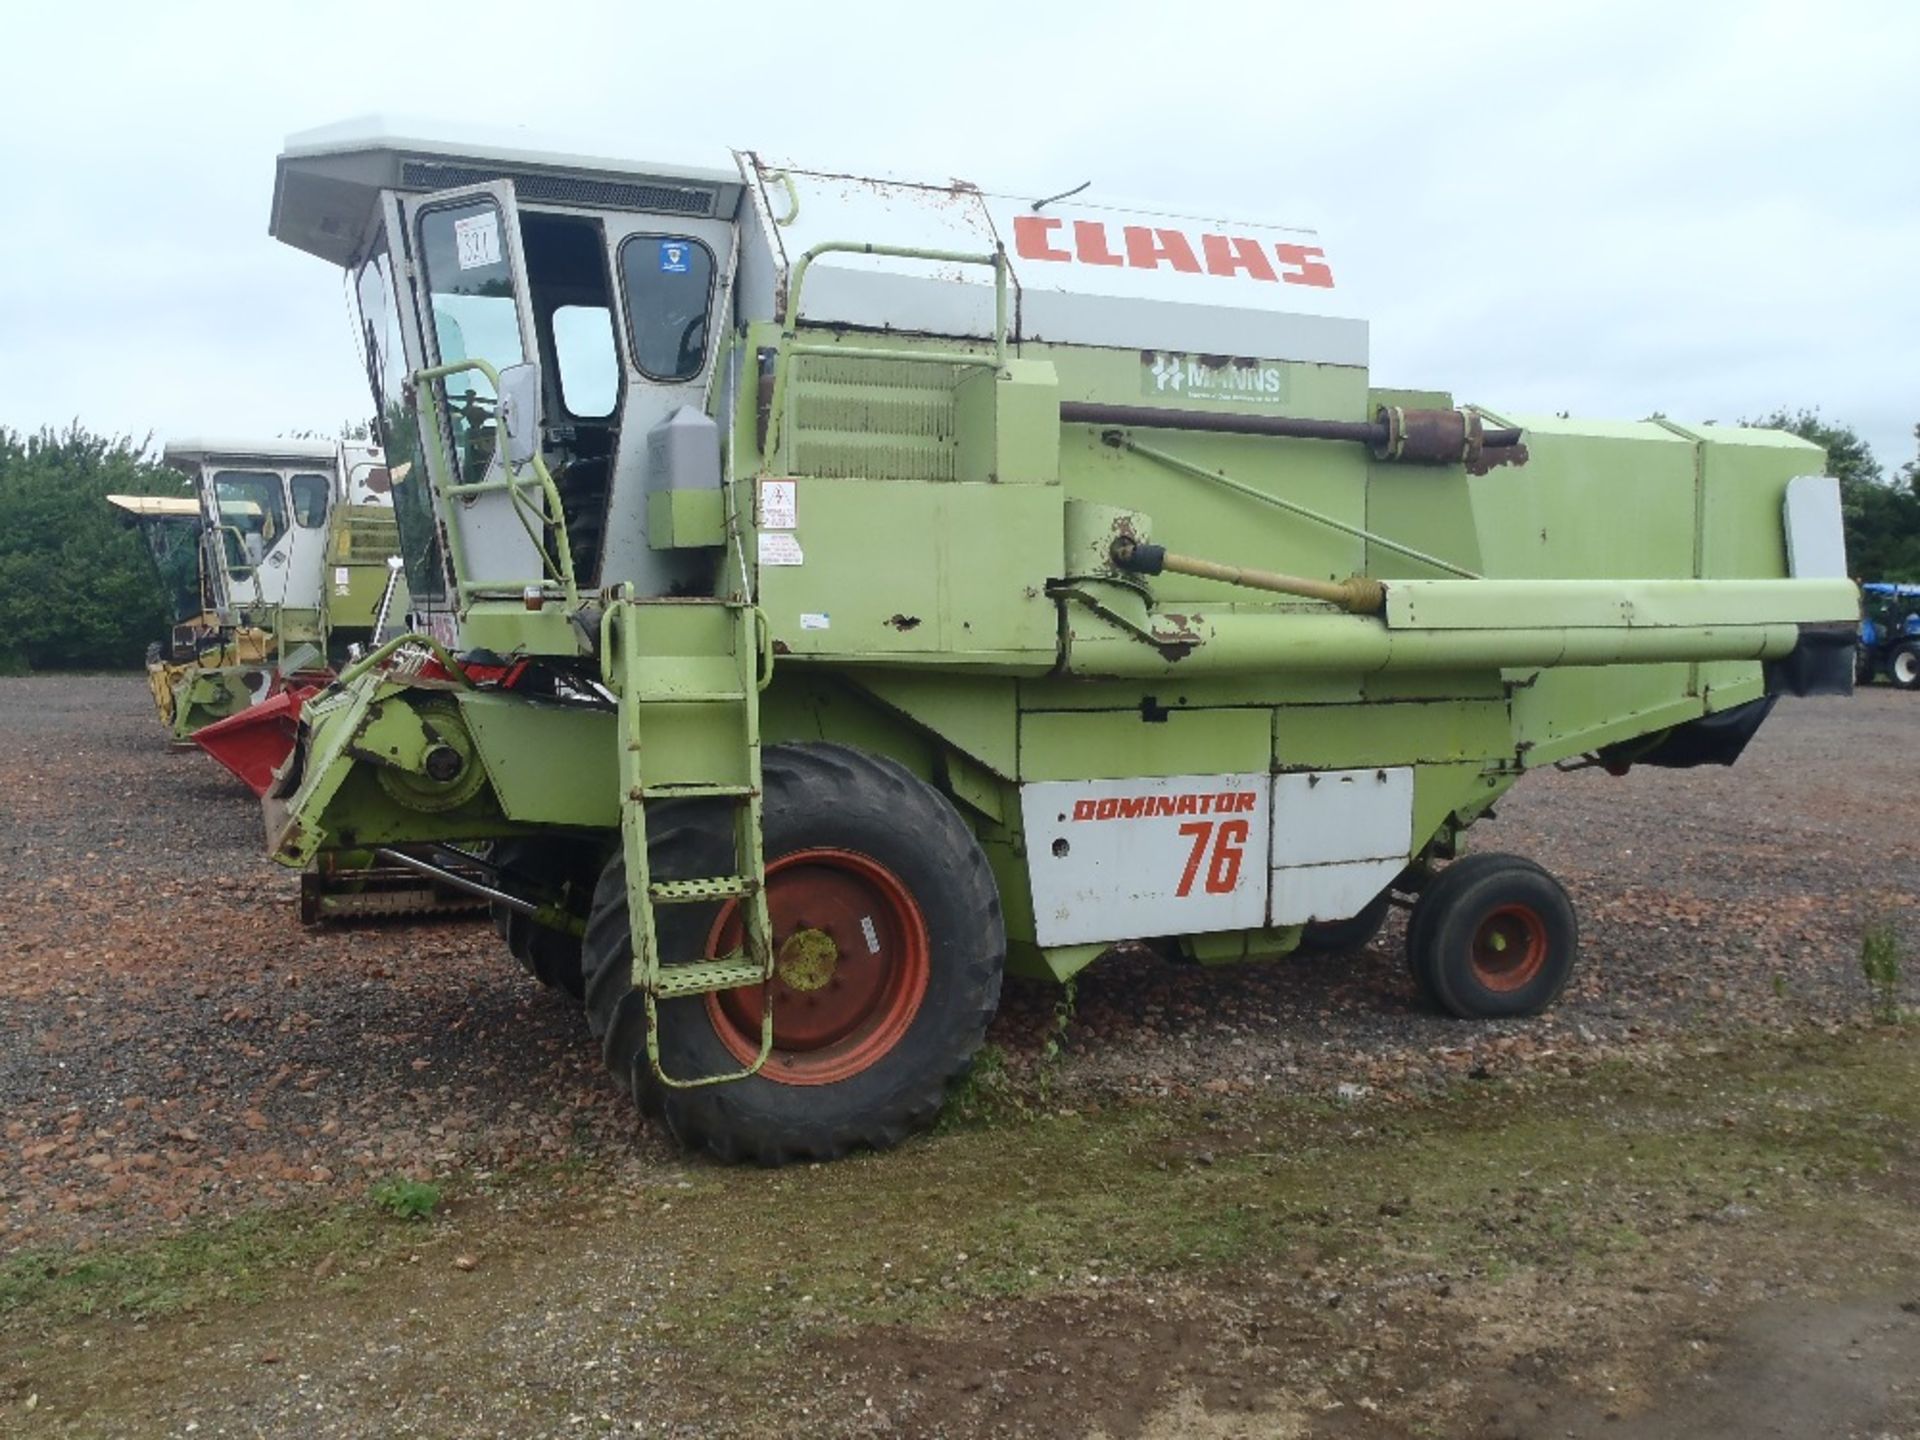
176,1050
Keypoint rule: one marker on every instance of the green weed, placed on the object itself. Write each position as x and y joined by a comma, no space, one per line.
407,1199
1880,963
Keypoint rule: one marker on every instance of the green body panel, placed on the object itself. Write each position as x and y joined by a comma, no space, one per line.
359,540
549,764
898,570
1115,744
686,519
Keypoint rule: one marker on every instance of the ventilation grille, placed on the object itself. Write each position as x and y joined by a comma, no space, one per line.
370,533
566,190
872,419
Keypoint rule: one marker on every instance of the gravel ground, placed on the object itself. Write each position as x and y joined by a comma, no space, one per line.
178,1047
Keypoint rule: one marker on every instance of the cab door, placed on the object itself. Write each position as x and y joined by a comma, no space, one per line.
468,279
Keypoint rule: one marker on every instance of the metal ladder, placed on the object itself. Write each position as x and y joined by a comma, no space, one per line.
688,675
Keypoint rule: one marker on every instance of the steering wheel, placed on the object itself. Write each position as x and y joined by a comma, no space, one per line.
693,343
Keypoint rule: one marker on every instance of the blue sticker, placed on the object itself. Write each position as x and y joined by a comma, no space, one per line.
675,258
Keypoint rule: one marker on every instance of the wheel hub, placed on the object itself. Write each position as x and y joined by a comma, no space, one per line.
1509,947
806,960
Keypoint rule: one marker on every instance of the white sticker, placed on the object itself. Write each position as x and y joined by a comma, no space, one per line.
873,935
341,575
815,621
778,547
476,240
779,505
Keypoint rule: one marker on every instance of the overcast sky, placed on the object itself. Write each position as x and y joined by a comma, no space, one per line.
1707,210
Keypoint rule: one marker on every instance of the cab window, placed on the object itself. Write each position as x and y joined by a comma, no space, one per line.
589,368
668,281
253,512
309,501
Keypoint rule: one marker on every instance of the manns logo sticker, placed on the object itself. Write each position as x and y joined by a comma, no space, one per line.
1212,377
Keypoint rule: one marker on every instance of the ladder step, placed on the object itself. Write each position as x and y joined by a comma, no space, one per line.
701,977
692,892
694,792
691,697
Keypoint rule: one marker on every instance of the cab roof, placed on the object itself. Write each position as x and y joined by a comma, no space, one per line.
328,181
198,449
169,507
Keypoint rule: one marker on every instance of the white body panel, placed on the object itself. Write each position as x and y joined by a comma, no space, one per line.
1816,533
1081,274
1129,859
1339,838
1193,854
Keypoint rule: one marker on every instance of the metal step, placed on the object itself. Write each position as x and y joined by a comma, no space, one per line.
693,892
694,792
689,697
702,977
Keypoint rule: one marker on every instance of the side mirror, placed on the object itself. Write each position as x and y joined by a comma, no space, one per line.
520,412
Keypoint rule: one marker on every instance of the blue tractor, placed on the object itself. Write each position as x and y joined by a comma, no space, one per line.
1889,634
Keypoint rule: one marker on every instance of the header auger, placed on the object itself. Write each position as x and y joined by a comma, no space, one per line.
831,592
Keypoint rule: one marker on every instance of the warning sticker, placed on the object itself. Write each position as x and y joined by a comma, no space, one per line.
779,505
816,620
476,240
779,547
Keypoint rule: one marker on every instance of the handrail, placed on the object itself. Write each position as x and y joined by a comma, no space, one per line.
373,657
559,566
780,401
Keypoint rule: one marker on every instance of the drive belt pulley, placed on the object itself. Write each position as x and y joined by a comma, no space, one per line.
452,773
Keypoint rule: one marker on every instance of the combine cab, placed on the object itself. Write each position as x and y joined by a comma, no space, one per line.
834,592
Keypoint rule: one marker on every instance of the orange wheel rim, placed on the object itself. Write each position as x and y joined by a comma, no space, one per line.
1509,948
852,958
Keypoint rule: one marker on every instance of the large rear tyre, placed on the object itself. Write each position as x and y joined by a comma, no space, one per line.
1493,936
568,869
1903,665
889,948
1862,665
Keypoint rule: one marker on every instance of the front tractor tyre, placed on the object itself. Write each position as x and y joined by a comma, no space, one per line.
1903,665
1493,937
566,869
889,948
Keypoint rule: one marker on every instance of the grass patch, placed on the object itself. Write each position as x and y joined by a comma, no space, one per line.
245,1259
1493,1180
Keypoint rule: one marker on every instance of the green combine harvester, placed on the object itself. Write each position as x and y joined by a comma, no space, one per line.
276,564
832,593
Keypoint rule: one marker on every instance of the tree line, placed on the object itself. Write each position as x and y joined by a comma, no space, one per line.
77,590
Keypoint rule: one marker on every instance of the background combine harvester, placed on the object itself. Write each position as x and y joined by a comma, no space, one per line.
275,567
836,591
282,565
